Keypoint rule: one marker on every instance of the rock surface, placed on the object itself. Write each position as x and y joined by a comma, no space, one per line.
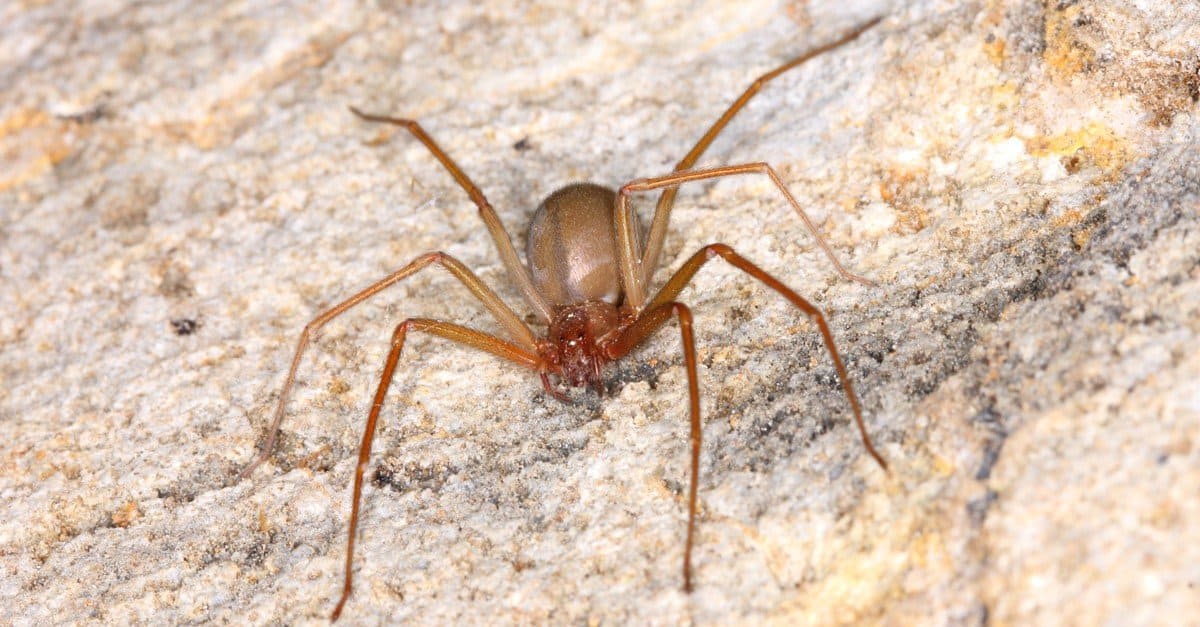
182,189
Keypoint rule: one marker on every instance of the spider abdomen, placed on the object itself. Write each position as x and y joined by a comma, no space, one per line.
572,246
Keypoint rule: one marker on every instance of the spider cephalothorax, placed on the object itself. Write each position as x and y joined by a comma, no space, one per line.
577,338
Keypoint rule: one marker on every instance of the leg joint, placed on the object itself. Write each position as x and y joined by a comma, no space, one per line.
683,313
718,250
403,328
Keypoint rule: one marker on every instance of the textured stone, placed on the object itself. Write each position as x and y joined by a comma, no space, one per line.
182,189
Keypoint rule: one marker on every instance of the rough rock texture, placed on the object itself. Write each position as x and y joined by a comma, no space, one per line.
182,189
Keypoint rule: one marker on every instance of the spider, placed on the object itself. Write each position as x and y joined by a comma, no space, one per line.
586,279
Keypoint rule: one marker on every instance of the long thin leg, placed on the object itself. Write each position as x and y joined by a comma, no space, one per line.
637,333
684,276
508,319
508,254
662,213
449,331
636,277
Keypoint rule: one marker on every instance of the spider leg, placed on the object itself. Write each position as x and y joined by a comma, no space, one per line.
450,331
549,387
508,254
684,275
646,324
636,275
662,212
508,319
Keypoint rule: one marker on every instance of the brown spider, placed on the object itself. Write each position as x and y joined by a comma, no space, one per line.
586,279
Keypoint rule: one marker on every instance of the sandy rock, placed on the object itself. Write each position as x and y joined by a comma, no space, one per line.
182,189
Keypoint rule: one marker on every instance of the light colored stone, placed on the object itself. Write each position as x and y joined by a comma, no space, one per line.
1021,179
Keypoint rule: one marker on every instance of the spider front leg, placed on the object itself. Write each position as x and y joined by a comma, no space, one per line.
450,331
505,315
646,324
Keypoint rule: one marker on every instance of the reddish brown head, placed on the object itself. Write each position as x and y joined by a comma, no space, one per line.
576,336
